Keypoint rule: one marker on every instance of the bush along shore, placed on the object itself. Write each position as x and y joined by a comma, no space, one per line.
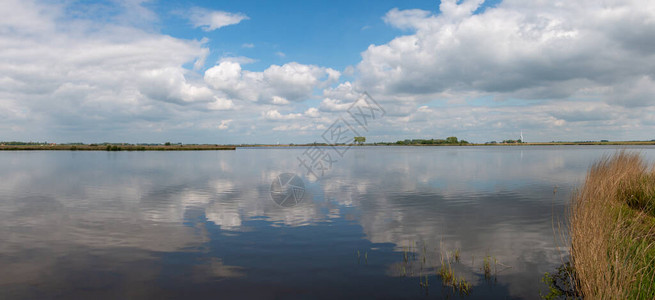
612,230
117,147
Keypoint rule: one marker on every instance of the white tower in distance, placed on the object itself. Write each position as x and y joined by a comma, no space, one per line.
522,140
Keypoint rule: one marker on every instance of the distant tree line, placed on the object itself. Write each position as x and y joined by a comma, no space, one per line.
505,142
451,140
15,143
512,141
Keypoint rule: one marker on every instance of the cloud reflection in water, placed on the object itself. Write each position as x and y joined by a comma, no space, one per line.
67,214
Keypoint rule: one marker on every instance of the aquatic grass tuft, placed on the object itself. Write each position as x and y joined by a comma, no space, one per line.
486,267
405,255
560,284
462,286
424,283
446,274
448,278
416,262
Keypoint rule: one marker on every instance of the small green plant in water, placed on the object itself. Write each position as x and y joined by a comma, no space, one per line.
486,267
448,278
560,284
553,291
446,274
462,286
425,283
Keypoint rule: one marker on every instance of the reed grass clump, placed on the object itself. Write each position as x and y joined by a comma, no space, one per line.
448,277
612,230
446,274
486,267
463,286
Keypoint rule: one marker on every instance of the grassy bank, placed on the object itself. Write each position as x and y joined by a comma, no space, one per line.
612,230
117,147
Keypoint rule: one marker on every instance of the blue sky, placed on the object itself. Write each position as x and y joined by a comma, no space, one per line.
283,71
328,33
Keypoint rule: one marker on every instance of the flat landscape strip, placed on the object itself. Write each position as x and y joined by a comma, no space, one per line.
115,148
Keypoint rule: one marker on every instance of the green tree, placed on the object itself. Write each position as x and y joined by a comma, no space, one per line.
360,140
451,140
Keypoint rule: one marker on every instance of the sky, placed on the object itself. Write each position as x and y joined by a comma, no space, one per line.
233,72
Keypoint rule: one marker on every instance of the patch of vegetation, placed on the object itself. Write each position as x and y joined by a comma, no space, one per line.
561,284
612,229
486,267
448,278
639,193
452,140
112,147
512,141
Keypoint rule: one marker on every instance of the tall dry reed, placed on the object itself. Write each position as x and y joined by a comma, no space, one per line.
612,228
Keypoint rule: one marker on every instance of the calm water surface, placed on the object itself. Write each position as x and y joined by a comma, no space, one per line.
116,225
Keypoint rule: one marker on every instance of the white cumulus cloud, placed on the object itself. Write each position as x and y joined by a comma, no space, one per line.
540,50
277,116
277,84
209,20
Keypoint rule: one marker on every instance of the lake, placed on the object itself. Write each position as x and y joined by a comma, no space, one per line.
217,224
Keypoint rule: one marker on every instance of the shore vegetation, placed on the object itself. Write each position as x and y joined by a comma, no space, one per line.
612,230
110,147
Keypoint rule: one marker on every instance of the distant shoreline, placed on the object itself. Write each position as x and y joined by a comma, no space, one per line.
624,143
179,147
115,147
